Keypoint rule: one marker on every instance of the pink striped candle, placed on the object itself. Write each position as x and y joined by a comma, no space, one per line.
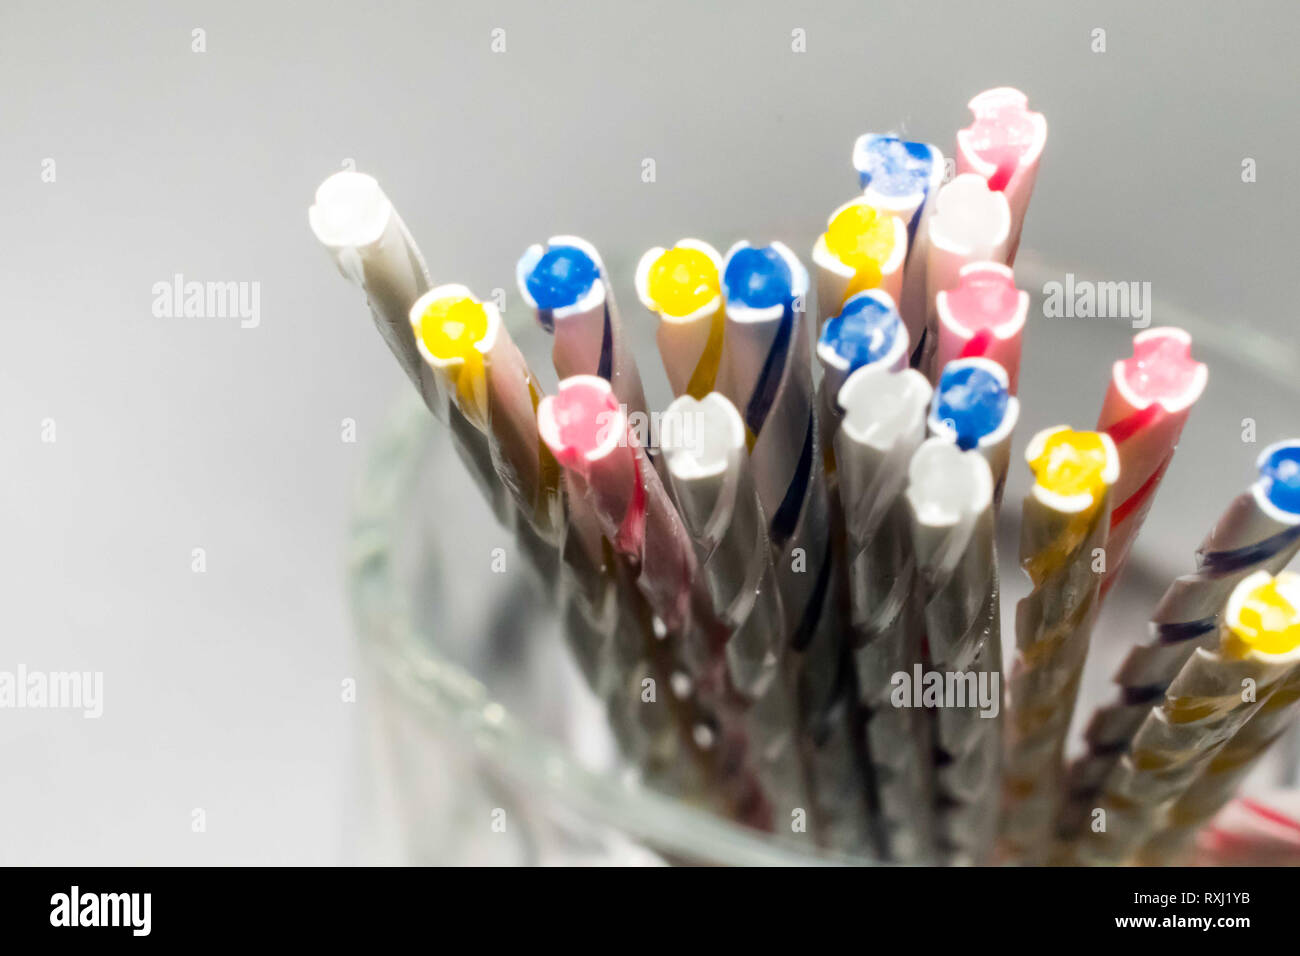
1146,406
983,317
1003,145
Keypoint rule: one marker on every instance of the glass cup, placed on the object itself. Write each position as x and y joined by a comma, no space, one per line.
483,743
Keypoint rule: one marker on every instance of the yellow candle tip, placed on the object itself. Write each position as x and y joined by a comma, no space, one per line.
1267,620
683,281
1071,463
861,236
450,327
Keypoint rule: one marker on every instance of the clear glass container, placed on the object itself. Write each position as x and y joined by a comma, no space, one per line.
483,744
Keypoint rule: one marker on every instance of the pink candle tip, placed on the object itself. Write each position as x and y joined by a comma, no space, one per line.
580,422
985,298
1004,134
1162,369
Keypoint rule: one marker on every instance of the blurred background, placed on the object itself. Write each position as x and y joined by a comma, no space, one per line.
130,155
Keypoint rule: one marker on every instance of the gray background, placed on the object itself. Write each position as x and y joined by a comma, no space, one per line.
222,689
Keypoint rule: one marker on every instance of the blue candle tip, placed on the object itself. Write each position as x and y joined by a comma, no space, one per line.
561,277
757,278
1280,472
864,332
973,401
895,167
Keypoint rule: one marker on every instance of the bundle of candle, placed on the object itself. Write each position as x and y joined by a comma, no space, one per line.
807,560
